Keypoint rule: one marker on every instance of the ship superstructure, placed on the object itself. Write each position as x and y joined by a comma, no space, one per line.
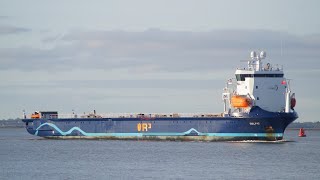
258,105
259,85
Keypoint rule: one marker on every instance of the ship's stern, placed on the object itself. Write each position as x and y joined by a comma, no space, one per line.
29,126
33,126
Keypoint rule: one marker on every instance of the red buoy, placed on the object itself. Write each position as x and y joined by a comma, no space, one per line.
302,133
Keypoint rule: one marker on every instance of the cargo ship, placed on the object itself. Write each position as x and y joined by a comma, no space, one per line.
258,104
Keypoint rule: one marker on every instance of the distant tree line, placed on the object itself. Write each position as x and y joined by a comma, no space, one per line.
308,125
11,123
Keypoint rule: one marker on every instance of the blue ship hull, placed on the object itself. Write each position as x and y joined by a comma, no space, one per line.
256,125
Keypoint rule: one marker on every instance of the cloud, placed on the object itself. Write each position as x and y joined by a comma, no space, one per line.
218,39
4,17
7,29
156,50
118,84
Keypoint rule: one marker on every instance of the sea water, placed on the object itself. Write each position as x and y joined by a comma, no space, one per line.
23,156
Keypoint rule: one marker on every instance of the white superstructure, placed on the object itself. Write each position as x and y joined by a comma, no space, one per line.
260,85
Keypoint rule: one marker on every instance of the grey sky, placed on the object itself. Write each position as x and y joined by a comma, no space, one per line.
295,16
149,56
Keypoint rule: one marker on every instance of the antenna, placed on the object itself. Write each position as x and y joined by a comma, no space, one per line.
24,114
263,55
281,49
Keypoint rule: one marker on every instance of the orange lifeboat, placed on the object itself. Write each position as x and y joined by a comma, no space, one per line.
240,102
35,115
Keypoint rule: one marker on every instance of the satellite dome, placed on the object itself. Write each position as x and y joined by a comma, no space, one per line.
263,55
253,54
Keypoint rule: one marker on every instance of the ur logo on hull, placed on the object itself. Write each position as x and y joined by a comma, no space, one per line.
143,126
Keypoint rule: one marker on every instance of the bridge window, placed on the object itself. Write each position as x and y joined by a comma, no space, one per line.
238,77
242,77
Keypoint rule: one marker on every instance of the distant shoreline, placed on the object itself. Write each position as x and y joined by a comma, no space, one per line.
312,129
12,123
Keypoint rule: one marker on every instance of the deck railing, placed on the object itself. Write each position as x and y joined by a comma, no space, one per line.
136,115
